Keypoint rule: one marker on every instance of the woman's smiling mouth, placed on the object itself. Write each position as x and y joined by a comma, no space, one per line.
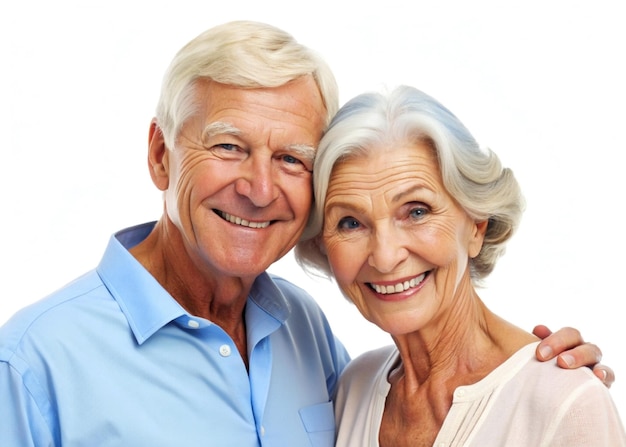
399,287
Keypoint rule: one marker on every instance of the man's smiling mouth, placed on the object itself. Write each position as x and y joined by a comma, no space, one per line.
239,221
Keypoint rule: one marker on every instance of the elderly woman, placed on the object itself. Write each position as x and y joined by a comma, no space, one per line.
412,215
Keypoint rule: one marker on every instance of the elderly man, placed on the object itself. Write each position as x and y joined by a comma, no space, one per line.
179,335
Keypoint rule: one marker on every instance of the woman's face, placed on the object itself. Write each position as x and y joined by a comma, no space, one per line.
398,244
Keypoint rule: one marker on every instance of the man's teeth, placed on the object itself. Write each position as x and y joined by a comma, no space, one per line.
243,222
400,287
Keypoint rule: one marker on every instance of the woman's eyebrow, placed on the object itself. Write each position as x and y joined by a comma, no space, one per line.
409,191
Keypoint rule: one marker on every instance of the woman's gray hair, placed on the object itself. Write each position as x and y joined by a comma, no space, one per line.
244,54
472,175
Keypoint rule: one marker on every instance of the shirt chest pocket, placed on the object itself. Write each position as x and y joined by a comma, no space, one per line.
319,423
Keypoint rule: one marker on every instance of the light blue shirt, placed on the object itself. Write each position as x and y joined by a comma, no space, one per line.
112,359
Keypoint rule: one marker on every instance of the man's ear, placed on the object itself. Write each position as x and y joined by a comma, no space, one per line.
158,157
476,243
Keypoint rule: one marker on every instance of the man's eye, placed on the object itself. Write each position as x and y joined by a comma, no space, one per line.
348,223
228,151
227,146
295,164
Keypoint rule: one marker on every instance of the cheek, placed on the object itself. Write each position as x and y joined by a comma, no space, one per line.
345,261
193,180
299,196
440,244
444,240
447,249
186,172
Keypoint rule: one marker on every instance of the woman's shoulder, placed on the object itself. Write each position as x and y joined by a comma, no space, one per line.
364,378
547,384
375,356
370,364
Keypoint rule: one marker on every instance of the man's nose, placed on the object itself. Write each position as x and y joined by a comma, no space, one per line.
258,181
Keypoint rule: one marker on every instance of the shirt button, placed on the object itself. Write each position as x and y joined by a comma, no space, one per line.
262,431
460,393
224,350
193,324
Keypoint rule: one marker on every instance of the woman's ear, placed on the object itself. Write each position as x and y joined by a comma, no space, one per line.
320,244
478,237
158,157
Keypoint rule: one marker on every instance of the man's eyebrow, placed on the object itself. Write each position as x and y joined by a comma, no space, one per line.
303,151
220,128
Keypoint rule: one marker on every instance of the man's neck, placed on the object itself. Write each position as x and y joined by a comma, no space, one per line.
204,293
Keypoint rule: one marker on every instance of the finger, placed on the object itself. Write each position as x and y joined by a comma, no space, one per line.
561,341
541,331
586,354
605,374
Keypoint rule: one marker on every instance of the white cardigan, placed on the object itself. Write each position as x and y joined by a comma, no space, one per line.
523,403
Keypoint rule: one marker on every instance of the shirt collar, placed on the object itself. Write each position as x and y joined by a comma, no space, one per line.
147,305
267,296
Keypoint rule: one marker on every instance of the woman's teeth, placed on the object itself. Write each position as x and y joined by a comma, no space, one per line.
400,287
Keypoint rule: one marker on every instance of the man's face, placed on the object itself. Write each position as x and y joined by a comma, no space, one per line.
239,187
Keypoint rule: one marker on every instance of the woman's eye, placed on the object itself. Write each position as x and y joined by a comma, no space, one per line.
290,159
418,212
348,223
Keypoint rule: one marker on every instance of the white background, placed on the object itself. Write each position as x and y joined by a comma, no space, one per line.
540,82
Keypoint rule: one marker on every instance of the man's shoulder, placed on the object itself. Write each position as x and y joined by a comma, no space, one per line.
296,297
287,287
52,312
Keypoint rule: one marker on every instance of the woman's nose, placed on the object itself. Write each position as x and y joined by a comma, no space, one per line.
387,250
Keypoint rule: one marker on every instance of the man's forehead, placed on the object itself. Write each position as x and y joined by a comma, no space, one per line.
297,102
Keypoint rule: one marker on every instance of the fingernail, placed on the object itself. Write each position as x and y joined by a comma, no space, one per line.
546,352
568,359
604,374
